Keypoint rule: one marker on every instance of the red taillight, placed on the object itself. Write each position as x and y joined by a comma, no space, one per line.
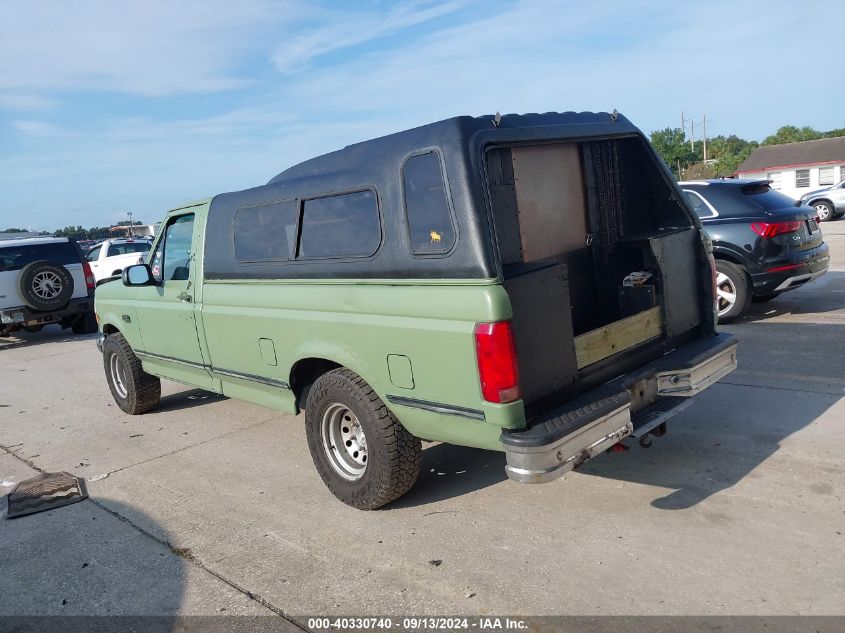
770,229
89,276
497,368
778,269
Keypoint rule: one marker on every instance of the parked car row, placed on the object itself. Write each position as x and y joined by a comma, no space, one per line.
48,280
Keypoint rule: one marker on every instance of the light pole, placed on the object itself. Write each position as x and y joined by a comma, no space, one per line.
129,213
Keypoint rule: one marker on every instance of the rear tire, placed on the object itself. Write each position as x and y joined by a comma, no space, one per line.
362,452
825,210
134,390
733,290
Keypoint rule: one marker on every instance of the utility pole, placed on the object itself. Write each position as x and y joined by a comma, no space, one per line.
692,134
704,134
129,213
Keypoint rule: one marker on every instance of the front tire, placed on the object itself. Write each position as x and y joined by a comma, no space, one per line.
362,452
733,290
134,390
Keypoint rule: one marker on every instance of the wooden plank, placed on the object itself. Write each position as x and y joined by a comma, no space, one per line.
618,336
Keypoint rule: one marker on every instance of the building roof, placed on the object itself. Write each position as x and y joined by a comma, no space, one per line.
823,150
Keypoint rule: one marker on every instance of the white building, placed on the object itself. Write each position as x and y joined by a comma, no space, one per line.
796,168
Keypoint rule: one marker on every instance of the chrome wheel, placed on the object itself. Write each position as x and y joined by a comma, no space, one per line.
118,375
344,441
823,210
47,285
725,293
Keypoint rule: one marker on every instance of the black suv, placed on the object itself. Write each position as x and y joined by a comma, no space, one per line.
764,244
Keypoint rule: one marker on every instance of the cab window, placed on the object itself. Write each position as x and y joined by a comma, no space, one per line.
172,258
127,247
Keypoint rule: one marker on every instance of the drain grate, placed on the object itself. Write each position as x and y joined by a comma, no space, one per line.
45,492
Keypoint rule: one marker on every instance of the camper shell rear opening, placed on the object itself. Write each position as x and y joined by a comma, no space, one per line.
606,271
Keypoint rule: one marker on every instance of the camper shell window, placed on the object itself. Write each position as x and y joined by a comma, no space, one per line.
343,225
266,232
431,228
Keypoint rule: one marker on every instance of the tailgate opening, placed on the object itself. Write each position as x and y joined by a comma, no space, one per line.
594,244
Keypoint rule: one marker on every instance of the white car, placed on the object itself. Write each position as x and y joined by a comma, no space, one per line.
110,257
45,280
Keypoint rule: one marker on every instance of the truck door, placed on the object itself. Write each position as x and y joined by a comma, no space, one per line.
166,312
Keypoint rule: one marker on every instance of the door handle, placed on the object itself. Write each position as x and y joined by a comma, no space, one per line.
184,296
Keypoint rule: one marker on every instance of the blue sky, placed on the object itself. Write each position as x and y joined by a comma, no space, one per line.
108,107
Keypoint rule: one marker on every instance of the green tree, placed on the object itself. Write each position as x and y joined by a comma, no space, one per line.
792,134
729,152
840,131
94,233
672,146
74,232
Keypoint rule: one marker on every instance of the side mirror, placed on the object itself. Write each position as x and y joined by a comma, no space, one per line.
138,275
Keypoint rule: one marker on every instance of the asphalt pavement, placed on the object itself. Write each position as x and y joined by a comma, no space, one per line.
212,506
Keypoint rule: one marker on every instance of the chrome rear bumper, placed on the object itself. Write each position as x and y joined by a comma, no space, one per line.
541,464
590,424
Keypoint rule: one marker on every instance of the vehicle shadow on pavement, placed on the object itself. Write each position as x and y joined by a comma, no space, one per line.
450,471
50,334
187,399
828,295
736,425
82,560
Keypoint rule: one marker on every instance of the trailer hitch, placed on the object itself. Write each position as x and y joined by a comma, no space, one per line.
658,431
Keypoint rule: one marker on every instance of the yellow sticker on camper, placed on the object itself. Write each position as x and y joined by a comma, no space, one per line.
435,237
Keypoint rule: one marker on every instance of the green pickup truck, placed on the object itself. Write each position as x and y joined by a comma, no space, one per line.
534,284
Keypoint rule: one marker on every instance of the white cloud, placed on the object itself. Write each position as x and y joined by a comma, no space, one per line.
152,47
649,59
24,101
39,129
343,29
